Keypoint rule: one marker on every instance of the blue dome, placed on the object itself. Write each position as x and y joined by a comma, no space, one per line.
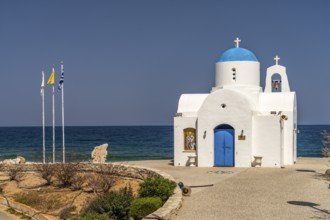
237,54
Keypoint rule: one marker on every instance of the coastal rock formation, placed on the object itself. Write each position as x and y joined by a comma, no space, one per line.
18,160
99,154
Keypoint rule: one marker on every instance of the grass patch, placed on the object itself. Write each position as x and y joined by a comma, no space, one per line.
33,199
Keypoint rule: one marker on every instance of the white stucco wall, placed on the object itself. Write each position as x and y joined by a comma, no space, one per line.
284,103
237,114
267,139
180,155
247,73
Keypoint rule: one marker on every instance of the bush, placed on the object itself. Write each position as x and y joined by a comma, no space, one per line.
115,204
14,172
142,207
66,173
157,187
93,216
65,212
103,179
46,171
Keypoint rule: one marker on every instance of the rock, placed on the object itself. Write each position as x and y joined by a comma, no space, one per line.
326,152
99,154
327,173
9,161
18,160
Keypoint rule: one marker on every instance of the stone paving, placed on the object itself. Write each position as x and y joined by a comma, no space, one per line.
294,192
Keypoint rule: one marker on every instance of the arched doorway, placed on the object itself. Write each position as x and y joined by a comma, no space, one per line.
224,146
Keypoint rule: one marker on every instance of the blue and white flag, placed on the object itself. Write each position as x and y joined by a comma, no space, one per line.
61,80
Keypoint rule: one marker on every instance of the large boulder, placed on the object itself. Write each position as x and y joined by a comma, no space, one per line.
99,154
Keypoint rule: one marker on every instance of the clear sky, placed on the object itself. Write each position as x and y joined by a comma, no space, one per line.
128,62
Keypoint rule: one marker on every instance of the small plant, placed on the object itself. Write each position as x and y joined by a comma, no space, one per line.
14,172
142,207
115,204
46,171
65,213
157,187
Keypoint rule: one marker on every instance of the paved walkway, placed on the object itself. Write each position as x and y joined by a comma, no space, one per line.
295,192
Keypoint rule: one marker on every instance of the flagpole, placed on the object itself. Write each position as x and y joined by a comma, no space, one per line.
43,118
53,121
63,133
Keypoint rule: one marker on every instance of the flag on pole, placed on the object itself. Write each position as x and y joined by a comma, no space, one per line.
42,84
51,78
61,80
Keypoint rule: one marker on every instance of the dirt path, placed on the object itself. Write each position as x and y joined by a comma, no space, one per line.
4,215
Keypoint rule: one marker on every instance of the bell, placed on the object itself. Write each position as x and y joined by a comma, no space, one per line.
276,85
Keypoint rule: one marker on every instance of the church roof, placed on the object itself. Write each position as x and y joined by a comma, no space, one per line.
237,54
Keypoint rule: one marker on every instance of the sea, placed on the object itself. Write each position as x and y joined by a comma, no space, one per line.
126,143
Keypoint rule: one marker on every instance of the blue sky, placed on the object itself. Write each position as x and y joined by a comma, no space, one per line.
127,62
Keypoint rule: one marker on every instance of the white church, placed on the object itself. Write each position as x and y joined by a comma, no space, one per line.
239,123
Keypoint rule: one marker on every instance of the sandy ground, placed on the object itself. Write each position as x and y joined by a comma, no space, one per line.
294,192
53,198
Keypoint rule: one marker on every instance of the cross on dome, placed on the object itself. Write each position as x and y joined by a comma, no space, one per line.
276,59
237,41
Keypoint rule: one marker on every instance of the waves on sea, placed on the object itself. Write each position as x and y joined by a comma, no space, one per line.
126,143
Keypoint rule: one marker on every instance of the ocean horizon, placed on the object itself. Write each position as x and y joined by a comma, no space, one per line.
126,143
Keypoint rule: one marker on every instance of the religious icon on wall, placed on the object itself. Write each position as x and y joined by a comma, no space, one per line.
189,139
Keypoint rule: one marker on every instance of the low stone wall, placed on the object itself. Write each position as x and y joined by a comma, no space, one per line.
171,206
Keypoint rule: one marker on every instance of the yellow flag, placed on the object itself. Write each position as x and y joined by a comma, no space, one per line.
51,78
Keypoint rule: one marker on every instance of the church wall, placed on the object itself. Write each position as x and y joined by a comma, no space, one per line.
180,155
288,138
267,140
283,103
246,73
236,113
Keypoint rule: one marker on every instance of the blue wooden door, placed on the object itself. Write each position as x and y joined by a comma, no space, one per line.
224,147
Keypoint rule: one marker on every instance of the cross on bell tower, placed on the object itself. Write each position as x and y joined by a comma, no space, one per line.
276,60
237,41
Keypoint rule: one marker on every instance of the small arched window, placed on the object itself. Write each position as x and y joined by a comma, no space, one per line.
189,139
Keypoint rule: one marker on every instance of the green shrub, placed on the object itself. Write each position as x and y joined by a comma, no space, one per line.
142,207
115,204
93,216
157,187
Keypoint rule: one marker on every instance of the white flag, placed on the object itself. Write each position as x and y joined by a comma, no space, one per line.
42,84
